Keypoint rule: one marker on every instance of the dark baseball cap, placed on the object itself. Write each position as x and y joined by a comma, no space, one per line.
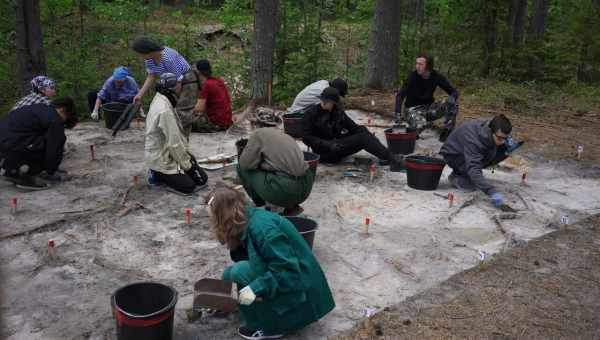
330,93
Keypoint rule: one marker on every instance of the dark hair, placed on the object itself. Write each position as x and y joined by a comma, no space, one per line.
145,45
341,85
68,105
501,123
204,68
428,59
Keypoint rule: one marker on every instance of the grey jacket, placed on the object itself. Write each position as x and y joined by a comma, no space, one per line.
469,149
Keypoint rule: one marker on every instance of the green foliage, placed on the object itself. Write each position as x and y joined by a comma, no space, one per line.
317,39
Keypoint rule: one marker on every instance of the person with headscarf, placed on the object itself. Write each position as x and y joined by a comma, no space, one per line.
32,140
42,88
119,87
166,150
214,102
160,59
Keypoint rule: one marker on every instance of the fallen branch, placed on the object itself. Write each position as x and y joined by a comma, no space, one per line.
130,208
465,204
124,199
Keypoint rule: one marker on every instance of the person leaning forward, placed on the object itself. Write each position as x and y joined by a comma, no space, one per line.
272,169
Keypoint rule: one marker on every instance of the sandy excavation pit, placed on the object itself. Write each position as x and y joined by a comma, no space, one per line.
415,239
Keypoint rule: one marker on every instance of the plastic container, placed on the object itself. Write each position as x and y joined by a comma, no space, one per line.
306,227
312,159
144,310
292,124
111,113
401,140
423,172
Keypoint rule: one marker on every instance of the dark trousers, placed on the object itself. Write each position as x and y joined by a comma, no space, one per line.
14,160
361,140
180,182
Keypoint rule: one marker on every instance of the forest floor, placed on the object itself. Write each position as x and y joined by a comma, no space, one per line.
109,233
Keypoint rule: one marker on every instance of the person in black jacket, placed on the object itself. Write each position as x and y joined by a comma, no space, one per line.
32,140
418,90
333,135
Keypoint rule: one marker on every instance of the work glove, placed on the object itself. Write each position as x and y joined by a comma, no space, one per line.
197,174
94,114
497,199
247,296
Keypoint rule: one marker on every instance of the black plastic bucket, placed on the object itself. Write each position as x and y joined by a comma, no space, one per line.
306,227
401,140
112,112
312,159
423,172
292,124
144,310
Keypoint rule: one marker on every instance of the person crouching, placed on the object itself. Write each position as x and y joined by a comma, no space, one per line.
166,149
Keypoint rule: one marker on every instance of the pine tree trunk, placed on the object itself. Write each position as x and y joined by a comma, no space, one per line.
518,26
490,13
263,48
30,50
382,61
537,27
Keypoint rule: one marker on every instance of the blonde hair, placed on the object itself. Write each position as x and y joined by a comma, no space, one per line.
228,216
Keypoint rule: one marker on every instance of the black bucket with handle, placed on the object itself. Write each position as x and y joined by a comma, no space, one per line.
111,113
423,172
144,310
401,140
306,227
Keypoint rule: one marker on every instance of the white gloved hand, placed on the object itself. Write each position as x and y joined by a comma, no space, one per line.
247,296
94,114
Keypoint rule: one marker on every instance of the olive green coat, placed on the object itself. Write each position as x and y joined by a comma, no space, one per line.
277,264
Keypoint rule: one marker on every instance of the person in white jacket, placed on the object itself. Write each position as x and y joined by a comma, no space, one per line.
166,151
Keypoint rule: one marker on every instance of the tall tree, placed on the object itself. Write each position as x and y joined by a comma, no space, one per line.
490,31
382,60
415,10
30,50
263,48
516,20
537,27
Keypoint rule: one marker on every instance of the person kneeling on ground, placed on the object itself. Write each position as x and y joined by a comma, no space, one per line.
213,101
167,155
334,136
283,288
32,140
476,145
120,87
310,94
420,106
272,169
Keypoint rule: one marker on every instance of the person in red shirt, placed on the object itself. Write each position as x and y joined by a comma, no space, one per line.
214,102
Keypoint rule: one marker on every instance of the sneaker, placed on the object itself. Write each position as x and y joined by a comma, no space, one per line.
30,183
249,334
152,179
461,183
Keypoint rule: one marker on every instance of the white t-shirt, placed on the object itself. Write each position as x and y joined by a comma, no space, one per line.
308,96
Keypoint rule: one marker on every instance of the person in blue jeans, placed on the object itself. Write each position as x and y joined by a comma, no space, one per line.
476,145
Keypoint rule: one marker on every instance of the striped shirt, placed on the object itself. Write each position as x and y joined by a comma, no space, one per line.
170,62
31,99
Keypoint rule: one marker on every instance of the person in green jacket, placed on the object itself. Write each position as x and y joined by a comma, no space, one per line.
283,286
272,169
